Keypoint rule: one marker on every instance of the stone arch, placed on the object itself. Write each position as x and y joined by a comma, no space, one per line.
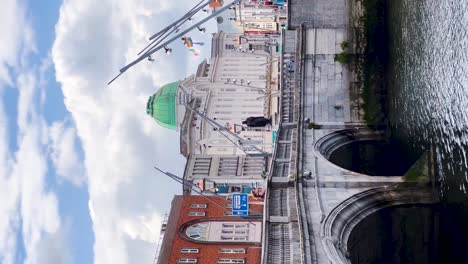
339,223
370,140
327,144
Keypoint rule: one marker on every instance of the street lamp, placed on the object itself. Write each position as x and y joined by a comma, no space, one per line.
167,50
243,83
202,30
164,37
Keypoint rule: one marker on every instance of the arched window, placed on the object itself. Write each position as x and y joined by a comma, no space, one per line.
198,231
220,231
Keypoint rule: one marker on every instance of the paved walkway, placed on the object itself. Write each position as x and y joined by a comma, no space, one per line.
327,104
326,81
319,13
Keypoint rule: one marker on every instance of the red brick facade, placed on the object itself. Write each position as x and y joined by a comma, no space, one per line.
209,252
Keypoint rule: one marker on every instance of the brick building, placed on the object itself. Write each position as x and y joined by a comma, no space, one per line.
201,230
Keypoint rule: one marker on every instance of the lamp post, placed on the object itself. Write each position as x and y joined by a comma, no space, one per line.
243,83
158,40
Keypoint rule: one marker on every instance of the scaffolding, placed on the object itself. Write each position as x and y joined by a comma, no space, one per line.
161,237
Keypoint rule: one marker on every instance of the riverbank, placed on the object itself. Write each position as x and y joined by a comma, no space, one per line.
369,57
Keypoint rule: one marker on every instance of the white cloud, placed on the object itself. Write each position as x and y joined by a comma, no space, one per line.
11,16
8,196
55,248
11,24
23,190
17,37
38,207
26,205
121,144
64,153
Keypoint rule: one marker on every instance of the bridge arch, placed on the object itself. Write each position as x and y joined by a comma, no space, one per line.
329,143
340,222
361,152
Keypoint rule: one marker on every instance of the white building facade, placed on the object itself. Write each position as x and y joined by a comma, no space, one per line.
235,84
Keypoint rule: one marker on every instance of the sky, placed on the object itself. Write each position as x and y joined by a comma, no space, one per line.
77,183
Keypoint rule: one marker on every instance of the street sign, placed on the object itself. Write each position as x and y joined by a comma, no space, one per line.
240,204
240,213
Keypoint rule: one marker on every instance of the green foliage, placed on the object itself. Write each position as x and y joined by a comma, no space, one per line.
344,45
375,59
313,126
419,172
343,58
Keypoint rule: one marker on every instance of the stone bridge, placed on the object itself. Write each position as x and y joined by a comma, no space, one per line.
313,204
333,199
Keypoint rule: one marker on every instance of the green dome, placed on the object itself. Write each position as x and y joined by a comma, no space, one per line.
162,106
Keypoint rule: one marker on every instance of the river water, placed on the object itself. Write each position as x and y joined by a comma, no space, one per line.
428,102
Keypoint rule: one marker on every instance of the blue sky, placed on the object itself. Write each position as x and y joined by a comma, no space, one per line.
76,155
72,199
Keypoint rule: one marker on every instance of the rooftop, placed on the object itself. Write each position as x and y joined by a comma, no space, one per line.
162,106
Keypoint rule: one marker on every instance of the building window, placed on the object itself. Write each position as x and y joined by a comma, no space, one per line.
228,166
256,47
189,250
235,232
231,260
235,226
234,238
201,166
232,250
253,166
194,260
198,206
229,46
232,231
196,214
198,231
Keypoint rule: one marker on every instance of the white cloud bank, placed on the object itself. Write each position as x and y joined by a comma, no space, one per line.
27,207
11,24
28,199
64,153
9,197
121,144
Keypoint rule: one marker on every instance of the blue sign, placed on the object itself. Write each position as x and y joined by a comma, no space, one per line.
240,204
280,3
240,213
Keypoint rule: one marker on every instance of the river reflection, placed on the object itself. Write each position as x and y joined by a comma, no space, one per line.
428,94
